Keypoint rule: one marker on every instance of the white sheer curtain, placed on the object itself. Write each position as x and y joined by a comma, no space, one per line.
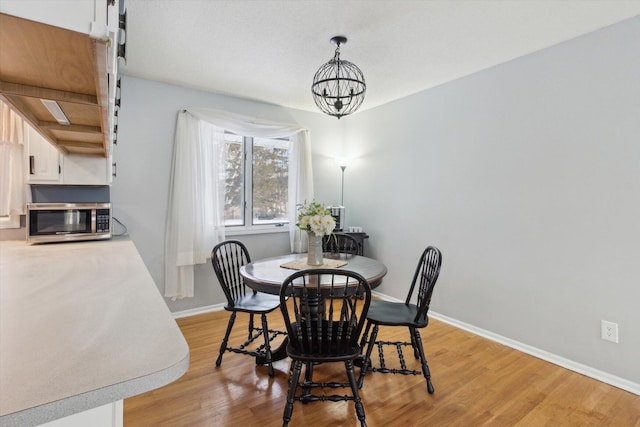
13,190
195,217
195,220
300,185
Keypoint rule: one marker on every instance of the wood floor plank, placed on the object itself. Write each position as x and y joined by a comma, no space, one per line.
478,382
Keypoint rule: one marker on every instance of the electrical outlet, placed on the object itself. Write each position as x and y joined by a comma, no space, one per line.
609,331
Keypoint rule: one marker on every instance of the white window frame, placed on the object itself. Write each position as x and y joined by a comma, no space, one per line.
249,227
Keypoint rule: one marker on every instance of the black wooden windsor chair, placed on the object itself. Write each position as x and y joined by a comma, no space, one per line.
341,243
324,316
227,258
407,314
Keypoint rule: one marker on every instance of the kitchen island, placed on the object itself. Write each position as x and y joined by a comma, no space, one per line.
82,325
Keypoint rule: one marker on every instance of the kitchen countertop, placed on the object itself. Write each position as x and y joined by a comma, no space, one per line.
81,325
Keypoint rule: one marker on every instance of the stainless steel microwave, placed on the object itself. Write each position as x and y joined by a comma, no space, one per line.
60,222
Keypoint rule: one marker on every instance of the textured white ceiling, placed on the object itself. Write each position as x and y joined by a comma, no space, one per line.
269,50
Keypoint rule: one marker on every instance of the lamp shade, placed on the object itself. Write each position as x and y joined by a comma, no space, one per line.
343,162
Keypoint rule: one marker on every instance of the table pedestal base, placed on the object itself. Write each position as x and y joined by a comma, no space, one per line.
279,353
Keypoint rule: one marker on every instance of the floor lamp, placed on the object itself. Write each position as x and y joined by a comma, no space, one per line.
338,212
342,162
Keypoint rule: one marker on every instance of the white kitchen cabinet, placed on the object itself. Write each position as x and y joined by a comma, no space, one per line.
43,162
87,16
86,170
45,165
110,415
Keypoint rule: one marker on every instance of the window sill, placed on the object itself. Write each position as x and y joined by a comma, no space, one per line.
267,229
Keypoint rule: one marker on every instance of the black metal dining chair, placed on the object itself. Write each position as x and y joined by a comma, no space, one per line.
227,258
341,243
324,317
407,314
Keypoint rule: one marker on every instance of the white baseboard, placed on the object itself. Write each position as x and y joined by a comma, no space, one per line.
385,297
596,374
197,310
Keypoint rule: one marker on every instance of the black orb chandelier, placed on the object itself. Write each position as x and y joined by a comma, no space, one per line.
338,86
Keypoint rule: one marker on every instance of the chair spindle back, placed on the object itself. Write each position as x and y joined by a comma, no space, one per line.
425,276
324,312
227,257
341,243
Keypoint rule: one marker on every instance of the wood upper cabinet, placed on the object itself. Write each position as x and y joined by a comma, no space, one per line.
72,63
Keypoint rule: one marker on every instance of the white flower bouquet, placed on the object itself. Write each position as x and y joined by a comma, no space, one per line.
312,216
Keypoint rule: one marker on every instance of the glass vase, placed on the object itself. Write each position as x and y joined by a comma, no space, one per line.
314,253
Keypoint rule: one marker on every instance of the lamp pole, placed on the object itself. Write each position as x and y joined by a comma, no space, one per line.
343,167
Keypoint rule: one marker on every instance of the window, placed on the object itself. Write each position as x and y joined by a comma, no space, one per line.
257,181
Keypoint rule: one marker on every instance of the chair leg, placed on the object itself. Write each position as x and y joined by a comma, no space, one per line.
308,378
354,388
415,337
225,340
365,335
414,346
296,368
367,358
267,347
250,326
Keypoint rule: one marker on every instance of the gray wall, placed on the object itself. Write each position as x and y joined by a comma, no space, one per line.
526,175
140,191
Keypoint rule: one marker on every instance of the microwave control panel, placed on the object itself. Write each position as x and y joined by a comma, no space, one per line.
103,220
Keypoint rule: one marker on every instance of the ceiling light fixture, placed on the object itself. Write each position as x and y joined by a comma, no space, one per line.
56,111
338,86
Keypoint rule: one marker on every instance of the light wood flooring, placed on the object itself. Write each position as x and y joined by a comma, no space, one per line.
477,382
